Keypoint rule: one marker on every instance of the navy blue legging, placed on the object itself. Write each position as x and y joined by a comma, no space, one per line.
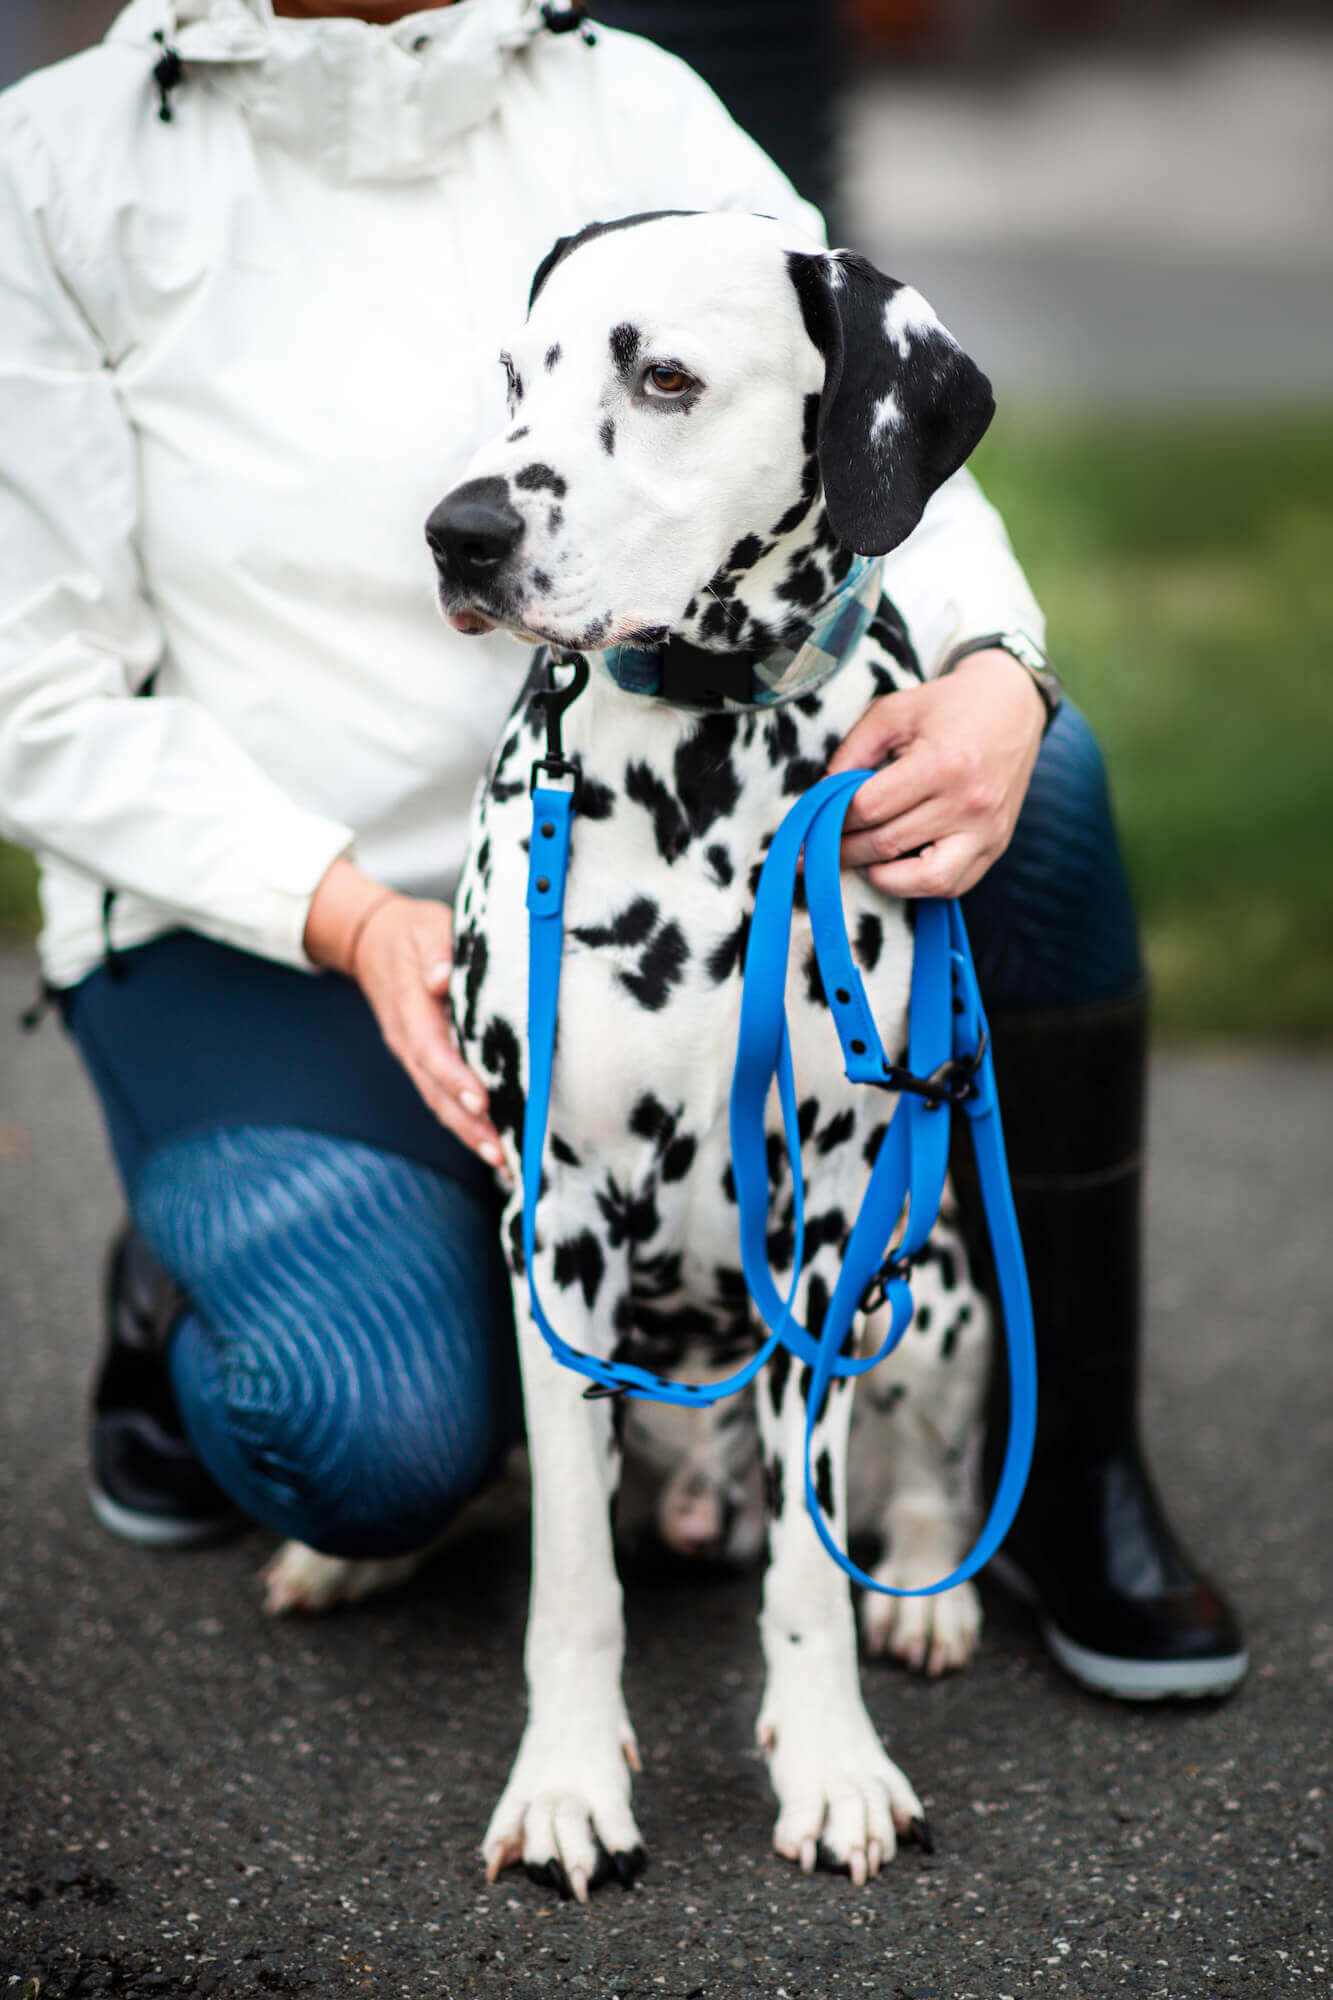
346,1370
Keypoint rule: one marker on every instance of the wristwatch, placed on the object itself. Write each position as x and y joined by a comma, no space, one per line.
1029,656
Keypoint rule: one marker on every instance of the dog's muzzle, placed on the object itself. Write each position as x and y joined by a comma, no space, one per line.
472,533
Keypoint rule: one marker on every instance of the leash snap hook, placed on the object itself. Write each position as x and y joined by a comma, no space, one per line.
555,700
876,1293
954,1082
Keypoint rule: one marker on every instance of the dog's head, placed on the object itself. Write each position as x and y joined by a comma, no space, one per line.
707,415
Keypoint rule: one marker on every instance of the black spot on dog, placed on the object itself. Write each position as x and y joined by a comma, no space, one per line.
596,800
719,861
473,979
729,1185
746,553
658,1276
678,1158
539,478
632,926
780,1240
800,775
838,1130
728,955
949,1344
500,1061
887,1395
758,637
824,1481
660,968
829,1228
562,1150
607,433
580,1261
670,827
650,1118
733,1297
552,356
514,436
625,343
869,939
630,1216
817,1305
814,979
780,736
778,1370
840,564
803,585
773,1495
555,520
807,1117
541,581
921,1319
716,622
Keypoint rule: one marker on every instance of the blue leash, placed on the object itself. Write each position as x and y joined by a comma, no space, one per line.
948,1064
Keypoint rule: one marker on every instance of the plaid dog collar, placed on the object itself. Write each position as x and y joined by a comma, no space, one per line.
688,677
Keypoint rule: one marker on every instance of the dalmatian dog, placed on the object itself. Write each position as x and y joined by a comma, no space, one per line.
709,418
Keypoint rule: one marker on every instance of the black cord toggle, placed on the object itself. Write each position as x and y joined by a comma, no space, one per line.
168,71
562,19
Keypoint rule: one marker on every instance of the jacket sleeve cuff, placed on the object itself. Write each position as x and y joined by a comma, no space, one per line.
272,918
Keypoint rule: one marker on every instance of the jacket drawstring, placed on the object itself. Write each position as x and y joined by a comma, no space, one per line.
561,16
168,71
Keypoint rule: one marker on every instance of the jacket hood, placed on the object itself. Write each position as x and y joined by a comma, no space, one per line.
360,101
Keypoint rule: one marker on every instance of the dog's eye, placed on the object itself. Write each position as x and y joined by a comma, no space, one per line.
512,381
664,380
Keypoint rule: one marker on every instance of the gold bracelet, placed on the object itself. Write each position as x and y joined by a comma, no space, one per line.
385,896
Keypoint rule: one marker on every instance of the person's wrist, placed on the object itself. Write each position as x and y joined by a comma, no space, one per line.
1023,656
344,905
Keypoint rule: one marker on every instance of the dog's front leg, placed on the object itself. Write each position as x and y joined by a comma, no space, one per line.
840,1798
566,1809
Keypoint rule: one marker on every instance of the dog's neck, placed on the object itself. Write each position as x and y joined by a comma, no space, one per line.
772,585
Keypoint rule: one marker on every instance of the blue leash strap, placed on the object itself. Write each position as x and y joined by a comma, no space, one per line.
948,1062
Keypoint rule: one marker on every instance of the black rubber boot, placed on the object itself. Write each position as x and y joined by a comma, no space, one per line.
146,1484
1122,1607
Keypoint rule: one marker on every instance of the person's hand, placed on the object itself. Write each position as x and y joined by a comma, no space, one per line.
931,822
399,950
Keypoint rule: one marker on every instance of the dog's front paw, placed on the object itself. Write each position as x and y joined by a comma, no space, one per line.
938,1633
300,1579
565,1813
843,1802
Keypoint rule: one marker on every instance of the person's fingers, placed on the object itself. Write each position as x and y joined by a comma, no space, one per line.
949,867
902,785
428,1045
477,1134
887,725
898,837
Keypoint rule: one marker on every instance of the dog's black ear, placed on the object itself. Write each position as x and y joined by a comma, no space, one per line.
902,406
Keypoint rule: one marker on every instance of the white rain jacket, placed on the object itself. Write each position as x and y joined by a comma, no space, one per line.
242,354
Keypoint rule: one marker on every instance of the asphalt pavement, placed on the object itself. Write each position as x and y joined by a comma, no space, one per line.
195,1800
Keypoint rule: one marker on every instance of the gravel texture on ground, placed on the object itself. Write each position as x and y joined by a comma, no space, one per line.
194,1800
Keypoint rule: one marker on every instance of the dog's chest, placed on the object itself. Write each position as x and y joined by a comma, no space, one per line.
675,815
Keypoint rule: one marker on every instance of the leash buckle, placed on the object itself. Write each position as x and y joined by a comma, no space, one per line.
876,1293
560,767
954,1082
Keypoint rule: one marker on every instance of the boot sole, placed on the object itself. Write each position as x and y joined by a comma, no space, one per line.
1109,1673
160,1531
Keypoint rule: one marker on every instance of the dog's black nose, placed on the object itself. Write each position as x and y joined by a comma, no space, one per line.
473,529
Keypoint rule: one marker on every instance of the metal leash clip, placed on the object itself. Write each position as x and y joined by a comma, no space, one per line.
952,1083
555,700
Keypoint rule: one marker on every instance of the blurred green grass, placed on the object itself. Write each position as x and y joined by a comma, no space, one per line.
1186,567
